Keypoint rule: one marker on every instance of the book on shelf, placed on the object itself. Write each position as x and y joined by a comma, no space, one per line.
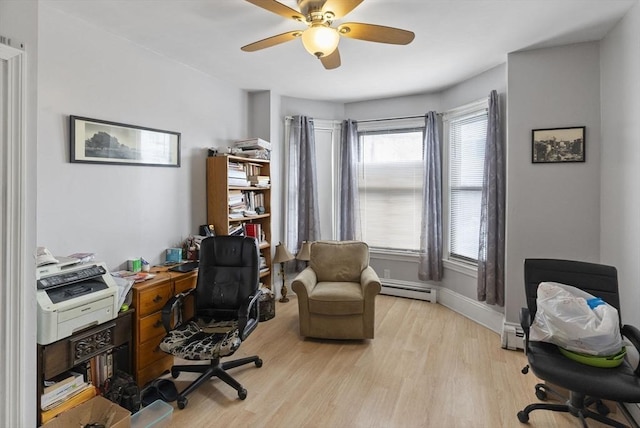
239,182
83,395
61,388
259,180
253,229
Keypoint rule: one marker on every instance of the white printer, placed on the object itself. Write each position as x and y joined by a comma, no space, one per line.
72,297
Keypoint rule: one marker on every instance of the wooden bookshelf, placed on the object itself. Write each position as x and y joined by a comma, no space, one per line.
219,190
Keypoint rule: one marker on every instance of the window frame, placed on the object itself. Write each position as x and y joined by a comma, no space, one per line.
459,264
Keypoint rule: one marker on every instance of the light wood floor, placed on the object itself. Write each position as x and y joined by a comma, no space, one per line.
427,367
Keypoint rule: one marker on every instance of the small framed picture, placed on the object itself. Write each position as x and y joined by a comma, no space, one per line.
555,145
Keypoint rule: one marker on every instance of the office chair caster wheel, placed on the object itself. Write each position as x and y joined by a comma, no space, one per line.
541,394
258,362
182,402
523,417
602,408
242,394
175,373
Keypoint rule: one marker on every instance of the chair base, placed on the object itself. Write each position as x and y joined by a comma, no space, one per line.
214,368
577,405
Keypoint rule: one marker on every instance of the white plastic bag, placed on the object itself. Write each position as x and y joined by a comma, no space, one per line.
565,318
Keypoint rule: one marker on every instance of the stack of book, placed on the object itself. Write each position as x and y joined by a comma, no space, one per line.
256,148
61,388
259,180
263,264
237,204
237,176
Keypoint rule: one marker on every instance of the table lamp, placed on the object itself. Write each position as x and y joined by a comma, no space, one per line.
305,252
282,255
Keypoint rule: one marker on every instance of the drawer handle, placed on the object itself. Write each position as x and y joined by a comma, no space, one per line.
157,299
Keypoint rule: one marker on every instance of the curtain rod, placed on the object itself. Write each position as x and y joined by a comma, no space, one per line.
394,118
378,120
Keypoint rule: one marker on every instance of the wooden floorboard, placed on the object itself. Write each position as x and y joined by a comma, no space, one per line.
427,367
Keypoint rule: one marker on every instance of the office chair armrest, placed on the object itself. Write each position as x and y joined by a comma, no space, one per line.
370,281
304,283
525,323
248,321
176,302
633,335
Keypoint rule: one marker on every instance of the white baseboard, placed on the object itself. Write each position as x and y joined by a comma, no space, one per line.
472,309
512,336
394,287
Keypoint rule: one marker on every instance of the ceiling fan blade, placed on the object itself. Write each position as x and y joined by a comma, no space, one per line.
376,33
331,61
340,7
278,8
271,41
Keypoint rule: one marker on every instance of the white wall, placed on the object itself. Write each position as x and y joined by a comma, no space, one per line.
553,210
120,211
620,197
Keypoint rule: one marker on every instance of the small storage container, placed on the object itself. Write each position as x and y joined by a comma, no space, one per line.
155,415
267,305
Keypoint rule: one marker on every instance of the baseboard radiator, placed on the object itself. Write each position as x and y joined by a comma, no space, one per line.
394,287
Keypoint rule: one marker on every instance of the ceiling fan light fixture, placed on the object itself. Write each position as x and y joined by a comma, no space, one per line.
320,40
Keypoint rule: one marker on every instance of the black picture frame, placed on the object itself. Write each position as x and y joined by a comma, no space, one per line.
558,145
105,142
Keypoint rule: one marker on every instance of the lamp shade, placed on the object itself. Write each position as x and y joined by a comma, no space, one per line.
305,251
320,40
282,254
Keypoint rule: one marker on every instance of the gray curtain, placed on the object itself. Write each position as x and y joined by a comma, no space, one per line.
303,215
349,221
430,266
492,216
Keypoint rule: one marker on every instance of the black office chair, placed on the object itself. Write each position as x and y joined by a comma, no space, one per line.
226,312
587,384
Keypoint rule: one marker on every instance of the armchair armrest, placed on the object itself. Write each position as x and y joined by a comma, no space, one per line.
370,282
633,334
174,305
304,283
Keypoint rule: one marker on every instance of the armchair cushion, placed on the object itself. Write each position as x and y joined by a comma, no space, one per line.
337,298
339,260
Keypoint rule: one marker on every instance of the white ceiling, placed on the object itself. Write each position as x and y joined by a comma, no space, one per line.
455,39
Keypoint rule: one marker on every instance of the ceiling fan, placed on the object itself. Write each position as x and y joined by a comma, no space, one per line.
320,39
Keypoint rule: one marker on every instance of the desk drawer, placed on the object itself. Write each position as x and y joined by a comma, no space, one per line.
187,283
153,299
150,327
149,352
158,368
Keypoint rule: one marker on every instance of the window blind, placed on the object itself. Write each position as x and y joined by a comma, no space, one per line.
390,184
467,136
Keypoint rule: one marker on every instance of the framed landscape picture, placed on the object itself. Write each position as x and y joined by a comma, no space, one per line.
555,145
101,141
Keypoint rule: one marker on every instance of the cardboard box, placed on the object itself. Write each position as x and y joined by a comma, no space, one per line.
97,410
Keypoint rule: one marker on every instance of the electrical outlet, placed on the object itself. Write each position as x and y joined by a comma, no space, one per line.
387,273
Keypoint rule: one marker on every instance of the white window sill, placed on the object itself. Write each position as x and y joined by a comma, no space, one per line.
460,267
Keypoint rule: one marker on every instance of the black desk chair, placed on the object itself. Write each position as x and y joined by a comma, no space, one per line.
587,384
226,312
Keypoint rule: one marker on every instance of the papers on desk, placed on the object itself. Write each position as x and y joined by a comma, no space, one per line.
124,285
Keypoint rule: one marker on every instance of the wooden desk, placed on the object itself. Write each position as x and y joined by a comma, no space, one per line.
65,354
149,297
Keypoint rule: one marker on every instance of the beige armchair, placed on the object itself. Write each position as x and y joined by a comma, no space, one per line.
336,293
